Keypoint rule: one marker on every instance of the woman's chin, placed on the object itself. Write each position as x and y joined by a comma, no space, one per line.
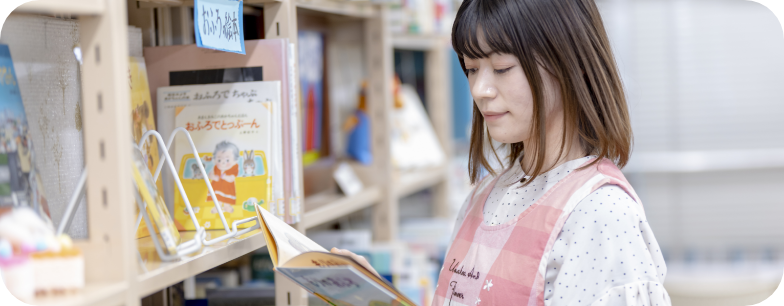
505,138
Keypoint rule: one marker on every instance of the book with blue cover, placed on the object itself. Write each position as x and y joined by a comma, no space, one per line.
20,185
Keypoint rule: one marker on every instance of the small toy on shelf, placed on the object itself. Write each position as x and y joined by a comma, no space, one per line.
33,261
60,269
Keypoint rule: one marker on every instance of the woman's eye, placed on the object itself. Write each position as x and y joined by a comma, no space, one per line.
502,71
471,70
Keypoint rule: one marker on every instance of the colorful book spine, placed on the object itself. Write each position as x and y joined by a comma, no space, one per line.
311,63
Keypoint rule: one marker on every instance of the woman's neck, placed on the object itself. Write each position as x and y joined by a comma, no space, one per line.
553,157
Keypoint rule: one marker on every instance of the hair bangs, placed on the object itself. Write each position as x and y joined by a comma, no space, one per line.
495,31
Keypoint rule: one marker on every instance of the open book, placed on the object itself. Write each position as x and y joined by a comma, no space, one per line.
337,279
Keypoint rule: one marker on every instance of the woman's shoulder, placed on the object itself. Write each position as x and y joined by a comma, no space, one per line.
609,203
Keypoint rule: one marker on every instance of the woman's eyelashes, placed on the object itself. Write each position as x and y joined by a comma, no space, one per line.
504,70
496,71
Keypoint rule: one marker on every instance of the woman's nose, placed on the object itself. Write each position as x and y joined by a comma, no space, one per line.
484,88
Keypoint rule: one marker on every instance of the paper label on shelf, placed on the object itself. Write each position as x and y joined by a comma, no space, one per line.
218,25
347,179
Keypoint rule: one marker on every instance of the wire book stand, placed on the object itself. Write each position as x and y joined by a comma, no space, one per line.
200,239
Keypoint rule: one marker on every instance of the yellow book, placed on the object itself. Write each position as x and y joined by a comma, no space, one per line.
142,120
162,222
336,279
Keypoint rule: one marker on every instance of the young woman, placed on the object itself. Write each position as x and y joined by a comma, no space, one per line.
559,225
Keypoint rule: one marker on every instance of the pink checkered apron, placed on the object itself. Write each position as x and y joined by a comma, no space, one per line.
505,264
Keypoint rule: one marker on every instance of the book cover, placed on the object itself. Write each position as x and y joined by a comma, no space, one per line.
311,76
19,181
236,129
336,279
265,60
161,220
414,142
142,120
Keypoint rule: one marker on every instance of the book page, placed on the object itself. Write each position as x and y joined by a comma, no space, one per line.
288,242
342,286
328,260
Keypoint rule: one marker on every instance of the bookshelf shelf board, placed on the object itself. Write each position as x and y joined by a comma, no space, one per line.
91,294
409,182
159,274
325,207
357,9
174,3
70,7
418,42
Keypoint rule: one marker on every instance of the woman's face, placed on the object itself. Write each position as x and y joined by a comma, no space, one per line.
502,94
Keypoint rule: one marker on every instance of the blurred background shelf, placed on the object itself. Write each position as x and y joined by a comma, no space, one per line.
71,7
419,42
160,275
328,206
409,182
721,283
189,3
357,9
705,161
93,294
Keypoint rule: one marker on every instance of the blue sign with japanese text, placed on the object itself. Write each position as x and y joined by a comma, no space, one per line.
218,25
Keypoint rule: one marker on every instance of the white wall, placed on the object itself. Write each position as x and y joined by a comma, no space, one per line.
705,76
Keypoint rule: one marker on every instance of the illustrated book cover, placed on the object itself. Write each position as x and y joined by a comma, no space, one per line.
142,120
336,279
236,130
265,60
20,184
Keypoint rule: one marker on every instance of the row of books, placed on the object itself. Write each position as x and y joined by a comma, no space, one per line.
422,17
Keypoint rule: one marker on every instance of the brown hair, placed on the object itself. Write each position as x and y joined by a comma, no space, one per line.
566,38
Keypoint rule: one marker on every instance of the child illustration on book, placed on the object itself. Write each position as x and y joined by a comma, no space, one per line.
226,157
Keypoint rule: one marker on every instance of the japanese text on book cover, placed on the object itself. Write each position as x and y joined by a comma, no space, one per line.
233,133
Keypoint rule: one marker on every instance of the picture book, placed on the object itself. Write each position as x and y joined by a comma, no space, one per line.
236,130
414,142
163,225
311,75
142,120
337,279
20,184
265,60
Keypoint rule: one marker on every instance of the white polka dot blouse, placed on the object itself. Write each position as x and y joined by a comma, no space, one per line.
606,253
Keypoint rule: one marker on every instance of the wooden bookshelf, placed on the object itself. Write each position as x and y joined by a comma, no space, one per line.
159,275
324,207
71,7
92,295
410,182
114,274
356,9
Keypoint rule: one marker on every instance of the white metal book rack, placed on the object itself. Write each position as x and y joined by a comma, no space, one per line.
200,239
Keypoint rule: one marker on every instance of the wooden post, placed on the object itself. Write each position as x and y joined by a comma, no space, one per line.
107,149
378,54
280,21
440,106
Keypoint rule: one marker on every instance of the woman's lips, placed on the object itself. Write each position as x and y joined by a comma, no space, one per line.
491,116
